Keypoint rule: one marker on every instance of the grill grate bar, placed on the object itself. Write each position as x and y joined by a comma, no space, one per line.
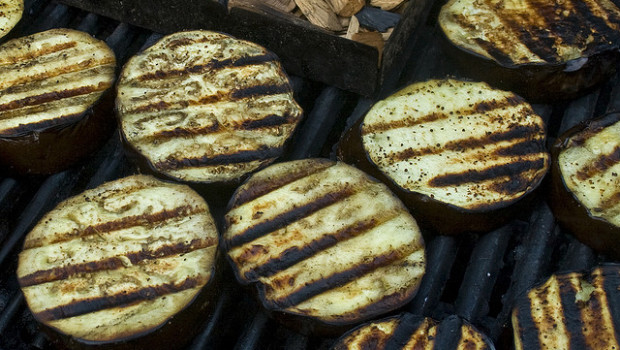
252,335
10,310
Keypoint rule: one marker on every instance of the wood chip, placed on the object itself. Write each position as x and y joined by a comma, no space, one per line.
386,5
347,8
354,28
319,13
284,6
371,39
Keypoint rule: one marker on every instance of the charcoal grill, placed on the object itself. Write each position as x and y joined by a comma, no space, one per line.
474,276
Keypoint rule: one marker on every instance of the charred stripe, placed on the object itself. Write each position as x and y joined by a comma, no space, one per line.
80,66
572,314
528,330
598,25
262,153
611,288
113,263
524,148
497,54
406,328
609,202
204,68
478,142
287,217
294,255
42,125
86,306
515,184
260,90
42,51
595,324
480,107
268,121
263,187
311,289
599,165
54,96
501,170
148,220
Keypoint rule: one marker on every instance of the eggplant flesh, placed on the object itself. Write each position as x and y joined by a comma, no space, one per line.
585,170
204,107
323,244
55,100
120,263
10,14
544,50
452,149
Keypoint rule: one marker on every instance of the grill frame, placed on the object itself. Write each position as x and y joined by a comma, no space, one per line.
474,276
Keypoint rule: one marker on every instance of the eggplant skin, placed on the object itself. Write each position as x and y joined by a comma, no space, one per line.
584,182
545,50
570,310
461,155
10,13
204,107
325,245
407,331
122,265
55,100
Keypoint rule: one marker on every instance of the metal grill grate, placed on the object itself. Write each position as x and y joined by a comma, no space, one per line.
474,276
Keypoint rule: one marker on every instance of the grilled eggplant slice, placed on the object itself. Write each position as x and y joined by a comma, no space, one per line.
407,331
459,154
325,245
55,101
129,264
204,107
543,50
585,182
572,310
10,13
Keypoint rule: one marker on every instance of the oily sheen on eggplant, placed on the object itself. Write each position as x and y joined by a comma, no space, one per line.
204,107
460,154
55,102
585,182
325,245
574,310
10,13
412,332
543,50
129,265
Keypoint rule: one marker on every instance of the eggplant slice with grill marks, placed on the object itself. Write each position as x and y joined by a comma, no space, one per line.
129,264
325,245
543,50
55,100
10,14
572,310
204,107
459,154
586,180
407,331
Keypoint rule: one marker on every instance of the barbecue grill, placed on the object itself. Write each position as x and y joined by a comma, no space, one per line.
474,276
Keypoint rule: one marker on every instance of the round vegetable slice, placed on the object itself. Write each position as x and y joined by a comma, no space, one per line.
10,13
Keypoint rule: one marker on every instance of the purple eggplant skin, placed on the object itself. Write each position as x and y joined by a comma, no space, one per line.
176,333
538,83
55,148
598,233
431,214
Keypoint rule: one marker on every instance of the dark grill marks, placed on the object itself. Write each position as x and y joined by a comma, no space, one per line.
509,169
261,188
238,94
610,284
528,147
572,314
310,289
599,165
285,218
42,52
113,263
85,306
53,96
295,255
609,202
183,132
267,122
263,153
480,107
528,330
148,220
42,125
524,148
204,68
597,24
